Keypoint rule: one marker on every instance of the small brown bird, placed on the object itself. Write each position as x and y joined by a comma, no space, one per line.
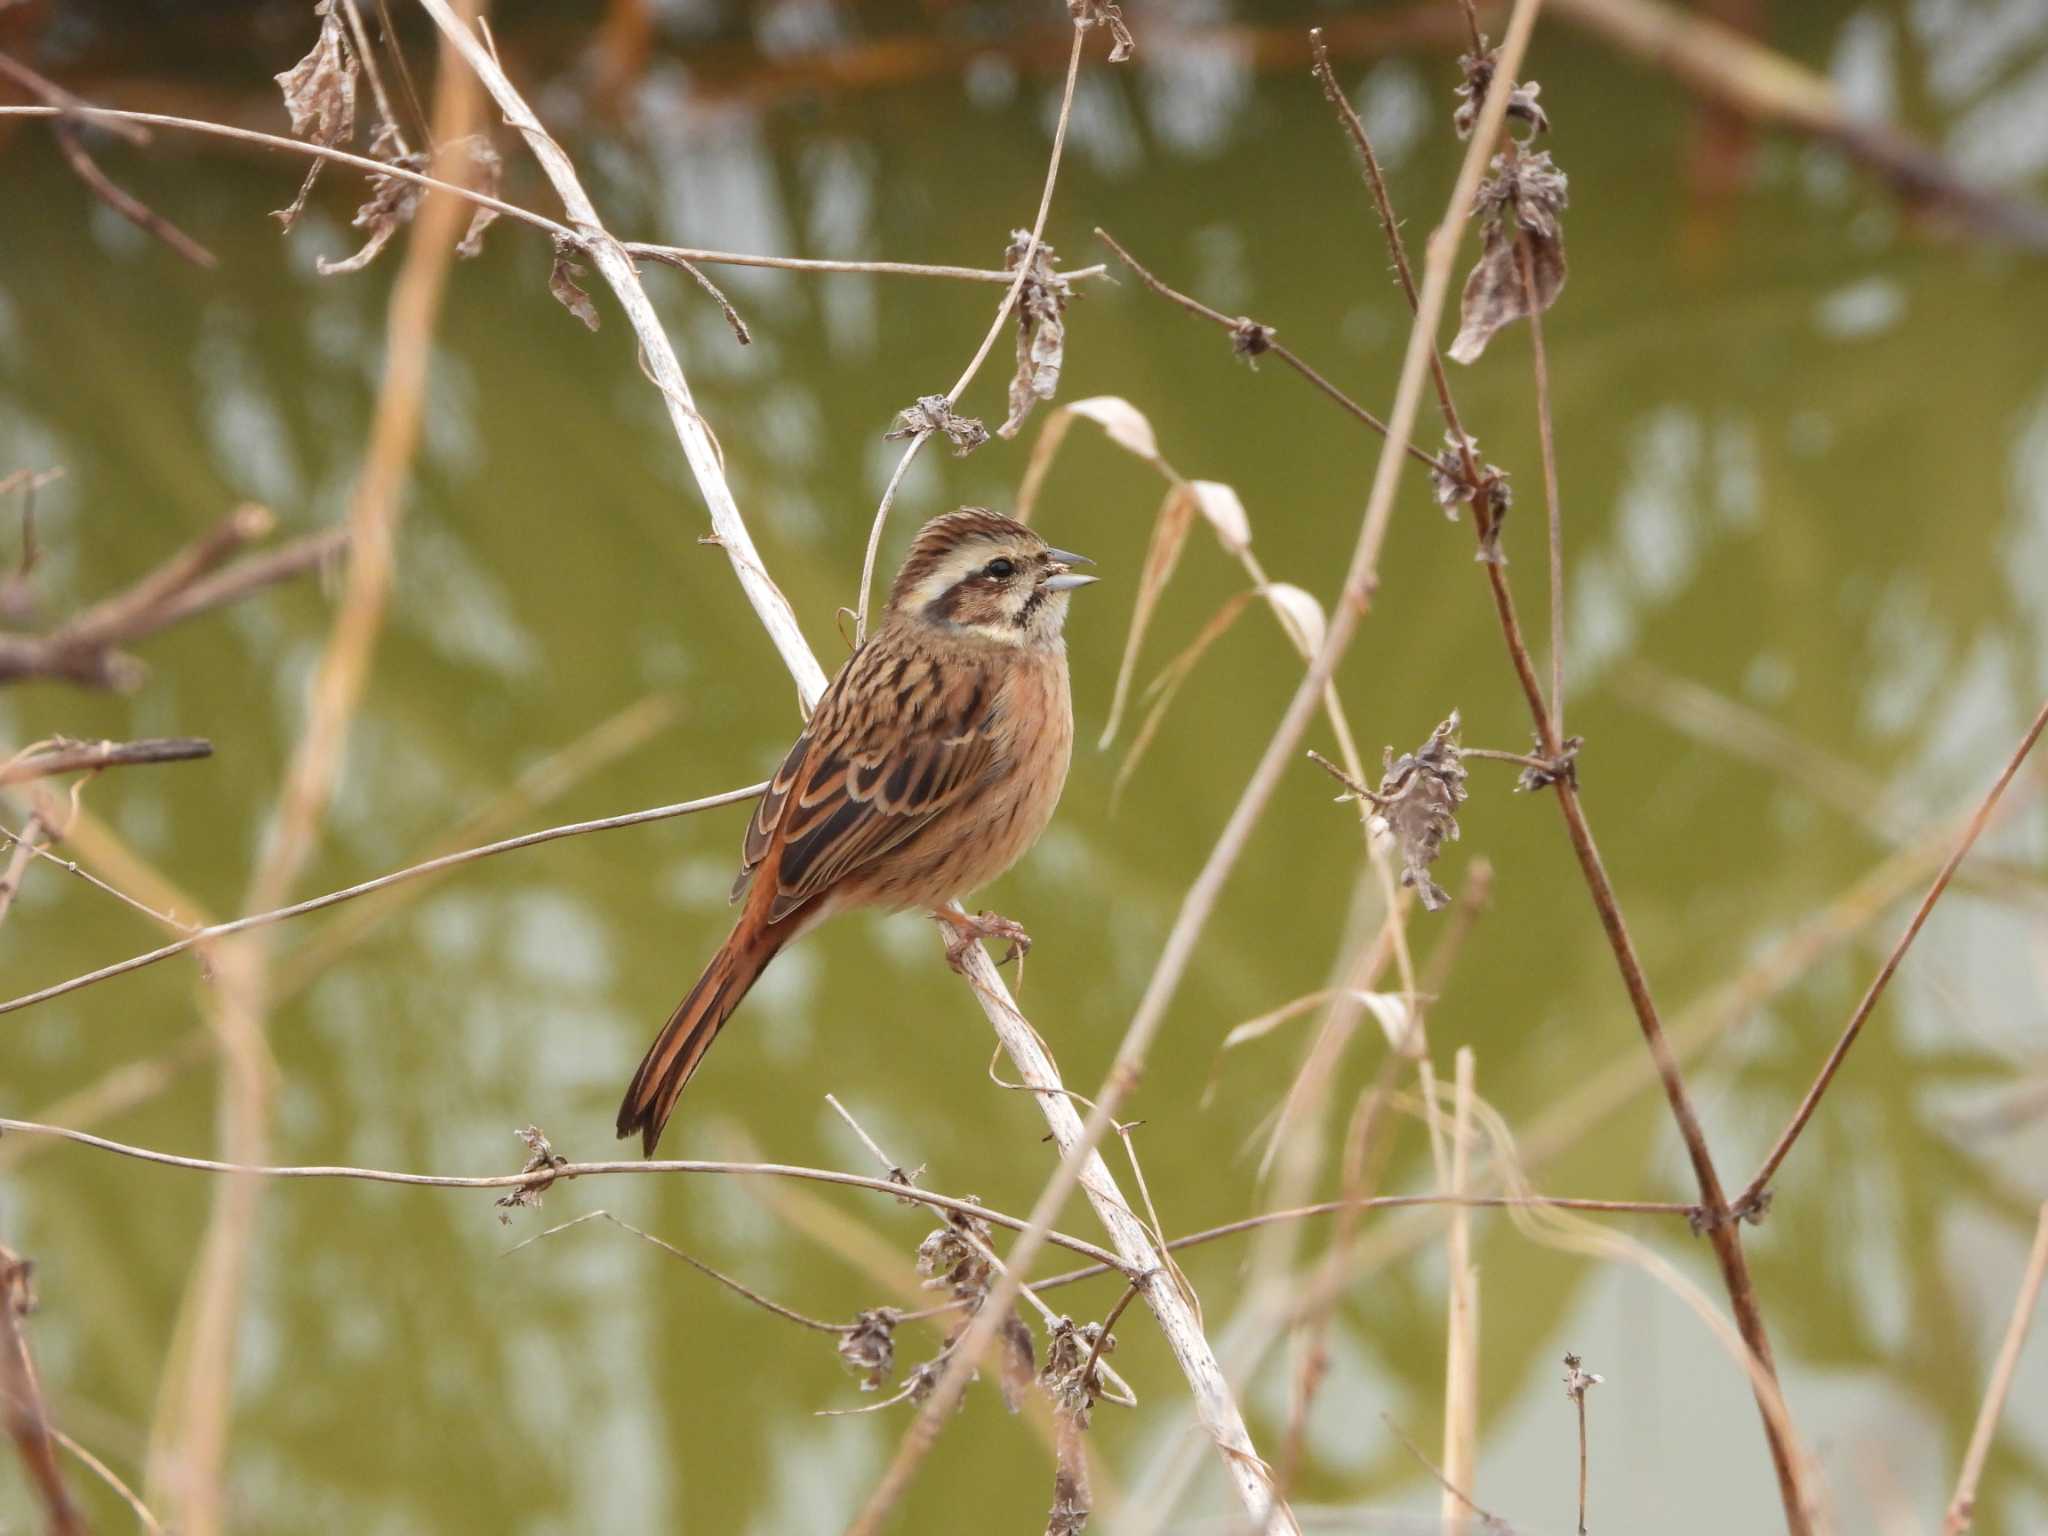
929,767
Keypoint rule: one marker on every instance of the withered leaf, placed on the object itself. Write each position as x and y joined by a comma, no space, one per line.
869,1348
320,94
562,284
1417,803
935,413
1105,13
392,203
1520,207
1479,70
1019,1366
1041,329
1251,340
489,175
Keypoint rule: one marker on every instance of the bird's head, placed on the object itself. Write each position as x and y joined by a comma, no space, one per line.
977,572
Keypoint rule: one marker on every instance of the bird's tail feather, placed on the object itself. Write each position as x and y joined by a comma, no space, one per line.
681,1045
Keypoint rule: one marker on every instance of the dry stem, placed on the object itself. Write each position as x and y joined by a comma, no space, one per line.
1749,1202
1962,1508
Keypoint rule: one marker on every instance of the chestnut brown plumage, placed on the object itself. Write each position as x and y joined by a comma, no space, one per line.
930,765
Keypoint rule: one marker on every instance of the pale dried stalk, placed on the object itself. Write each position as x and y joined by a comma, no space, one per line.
1201,898
1461,1352
1962,1508
188,1450
613,263
1177,1320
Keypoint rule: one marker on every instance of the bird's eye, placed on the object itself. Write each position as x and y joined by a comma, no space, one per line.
1000,570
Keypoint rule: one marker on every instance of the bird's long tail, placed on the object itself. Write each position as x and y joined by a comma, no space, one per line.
681,1045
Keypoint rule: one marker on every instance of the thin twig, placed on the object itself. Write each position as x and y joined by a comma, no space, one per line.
396,877
62,755
27,843
689,253
1577,1382
1963,1507
735,1286
544,1176
1553,503
1261,342
1452,1491
26,839
21,1403
1748,1203
87,170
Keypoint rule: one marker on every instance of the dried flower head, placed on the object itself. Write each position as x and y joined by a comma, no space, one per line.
1453,484
1520,206
869,1348
1251,340
1105,13
1478,70
935,413
540,1155
1417,804
1068,1377
956,1256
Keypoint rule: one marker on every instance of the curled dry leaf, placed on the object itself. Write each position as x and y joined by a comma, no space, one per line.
1105,13
1225,512
869,1347
391,205
489,175
934,413
1478,71
1299,614
1417,804
320,94
1127,426
1169,537
1041,328
1520,206
563,285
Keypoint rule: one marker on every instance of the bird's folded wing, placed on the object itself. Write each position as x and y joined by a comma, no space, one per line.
876,764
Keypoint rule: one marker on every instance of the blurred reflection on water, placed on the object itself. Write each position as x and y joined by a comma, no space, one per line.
1805,459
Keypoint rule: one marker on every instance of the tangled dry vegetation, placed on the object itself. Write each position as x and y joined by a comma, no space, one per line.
975,1260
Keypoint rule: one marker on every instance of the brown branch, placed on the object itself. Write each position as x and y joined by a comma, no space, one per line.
1750,1202
548,1174
735,1286
1962,1508
26,845
62,755
1722,1230
87,170
1487,1518
349,893
1252,340
27,1421
86,649
1552,503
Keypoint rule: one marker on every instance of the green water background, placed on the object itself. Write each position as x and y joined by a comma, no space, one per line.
1805,456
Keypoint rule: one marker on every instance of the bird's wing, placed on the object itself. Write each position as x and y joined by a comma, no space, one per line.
894,742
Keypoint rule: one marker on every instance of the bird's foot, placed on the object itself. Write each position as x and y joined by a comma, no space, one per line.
968,931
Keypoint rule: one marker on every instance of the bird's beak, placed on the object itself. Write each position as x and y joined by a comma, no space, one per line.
1065,580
